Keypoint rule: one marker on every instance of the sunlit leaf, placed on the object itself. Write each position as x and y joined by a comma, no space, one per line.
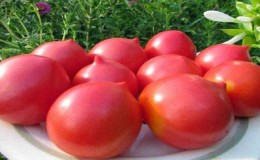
248,40
255,2
257,34
243,8
246,26
234,32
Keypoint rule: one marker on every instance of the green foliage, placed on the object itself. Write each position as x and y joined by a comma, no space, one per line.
251,10
22,28
248,23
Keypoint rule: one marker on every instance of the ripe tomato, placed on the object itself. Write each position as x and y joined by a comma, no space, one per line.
220,53
29,86
164,66
242,84
68,53
170,42
187,111
125,51
94,120
104,70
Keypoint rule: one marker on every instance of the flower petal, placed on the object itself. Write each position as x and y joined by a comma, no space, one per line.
43,7
244,19
218,16
235,38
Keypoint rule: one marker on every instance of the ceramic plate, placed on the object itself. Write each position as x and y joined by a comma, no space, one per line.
32,143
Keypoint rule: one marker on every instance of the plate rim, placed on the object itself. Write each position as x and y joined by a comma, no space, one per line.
218,151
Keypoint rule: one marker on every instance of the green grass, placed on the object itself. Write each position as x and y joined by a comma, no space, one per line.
90,21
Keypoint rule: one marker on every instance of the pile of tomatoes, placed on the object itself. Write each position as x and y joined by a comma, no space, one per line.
94,103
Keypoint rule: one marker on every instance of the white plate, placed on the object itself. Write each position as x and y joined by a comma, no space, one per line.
32,143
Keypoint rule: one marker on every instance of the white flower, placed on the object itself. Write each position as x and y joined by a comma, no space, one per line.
235,38
223,17
244,19
218,16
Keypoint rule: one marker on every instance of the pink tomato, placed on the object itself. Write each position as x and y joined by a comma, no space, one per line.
165,66
220,53
94,120
170,42
187,111
29,86
242,85
104,70
125,51
68,53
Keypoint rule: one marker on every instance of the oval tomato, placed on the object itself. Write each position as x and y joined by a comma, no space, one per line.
242,84
29,86
170,42
94,120
68,53
187,111
125,51
164,66
104,70
219,53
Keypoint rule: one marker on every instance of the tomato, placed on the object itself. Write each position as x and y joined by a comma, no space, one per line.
104,70
68,53
219,53
125,51
187,111
165,66
242,84
170,42
29,86
94,120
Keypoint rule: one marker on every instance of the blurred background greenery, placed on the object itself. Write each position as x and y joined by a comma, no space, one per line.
22,28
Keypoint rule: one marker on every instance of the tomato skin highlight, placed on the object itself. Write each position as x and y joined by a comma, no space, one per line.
242,85
170,42
94,120
187,111
29,86
70,55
